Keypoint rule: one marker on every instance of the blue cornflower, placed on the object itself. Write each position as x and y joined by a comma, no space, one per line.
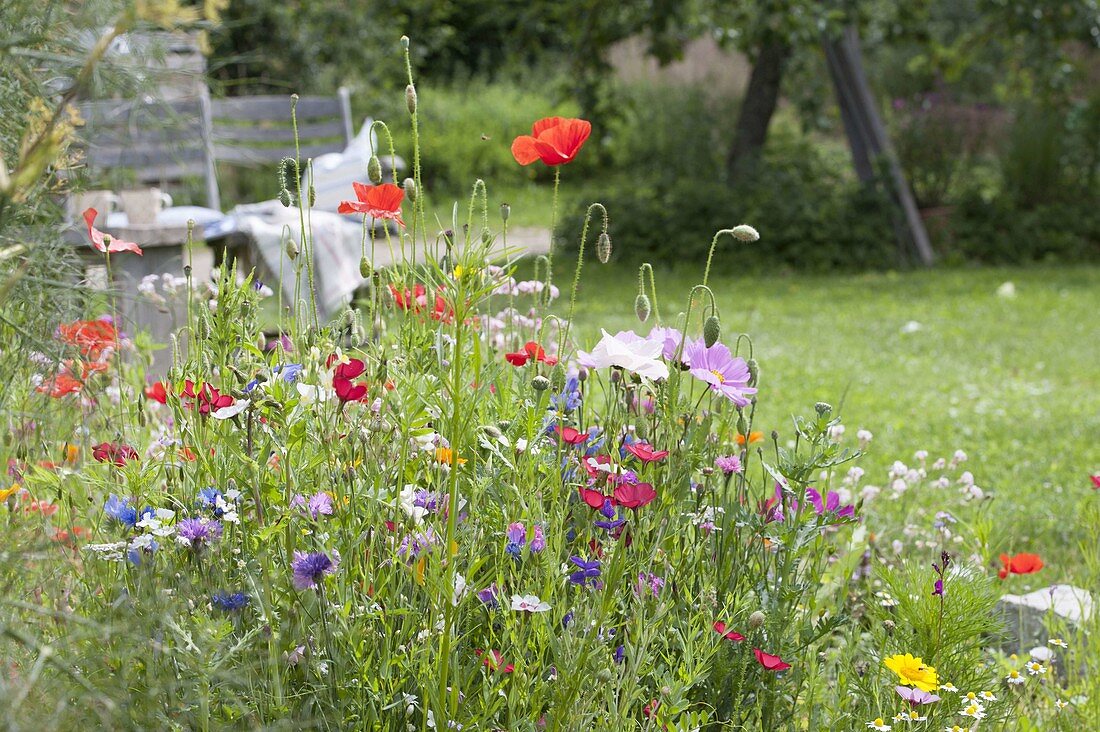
230,602
595,442
120,510
570,396
619,654
516,539
209,498
567,620
290,372
311,568
586,571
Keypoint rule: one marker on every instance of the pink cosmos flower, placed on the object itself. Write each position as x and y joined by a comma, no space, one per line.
717,367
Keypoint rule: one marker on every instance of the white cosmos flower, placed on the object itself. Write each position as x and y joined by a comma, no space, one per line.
529,603
629,351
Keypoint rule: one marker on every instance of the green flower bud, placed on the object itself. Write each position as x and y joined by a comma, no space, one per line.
364,268
312,194
410,189
410,98
284,198
603,248
582,374
505,211
292,248
757,619
712,331
540,383
641,307
557,377
823,409
405,42
744,232
754,371
374,170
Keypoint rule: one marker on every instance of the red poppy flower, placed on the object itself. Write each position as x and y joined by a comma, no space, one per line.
379,202
66,537
1095,481
495,660
349,370
593,498
98,238
645,452
43,507
60,385
553,140
650,710
530,350
570,435
770,662
92,337
410,300
733,635
635,495
1019,564
157,393
207,399
115,453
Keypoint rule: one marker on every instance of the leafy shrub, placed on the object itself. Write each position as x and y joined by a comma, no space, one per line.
818,218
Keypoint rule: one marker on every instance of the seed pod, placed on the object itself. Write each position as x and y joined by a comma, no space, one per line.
540,383
712,331
603,248
754,371
284,198
410,98
405,42
757,619
292,249
374,170
641,306
312,194
410,189
582,374
744,232
364,268
505,211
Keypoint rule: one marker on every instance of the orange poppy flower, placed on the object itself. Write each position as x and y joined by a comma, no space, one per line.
754,437
379,202
99,239
553,140
92,337
60,385
446,455
1019,564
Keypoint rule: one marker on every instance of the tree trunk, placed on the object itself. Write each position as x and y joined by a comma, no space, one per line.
757,108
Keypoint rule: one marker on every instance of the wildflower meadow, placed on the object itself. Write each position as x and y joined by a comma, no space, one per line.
467,503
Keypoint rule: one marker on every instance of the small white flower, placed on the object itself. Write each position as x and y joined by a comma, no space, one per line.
1060,704
1007,290
529,603
1014,677
949,687
975,710
1058,642
1034,668
836,433
879,725
1041,654
460,589
864,437
987,696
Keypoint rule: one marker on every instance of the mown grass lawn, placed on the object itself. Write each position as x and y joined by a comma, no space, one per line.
925,360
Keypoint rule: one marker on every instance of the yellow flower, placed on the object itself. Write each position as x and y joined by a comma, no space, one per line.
446,455
913,672
6,493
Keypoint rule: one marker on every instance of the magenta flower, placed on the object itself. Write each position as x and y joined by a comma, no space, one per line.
830,505
717,367
728,464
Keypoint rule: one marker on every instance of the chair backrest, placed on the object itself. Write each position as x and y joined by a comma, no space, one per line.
258,130
157,142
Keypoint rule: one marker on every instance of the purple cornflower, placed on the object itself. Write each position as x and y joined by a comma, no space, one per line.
831,504
619,654
198,532
120,510
319,504
413,544
586,571
516,537
728,464
567,620
311,568
230,602
717,367
488,596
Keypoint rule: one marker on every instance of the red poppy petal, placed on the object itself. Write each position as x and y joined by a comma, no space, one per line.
525,150
516,359
362,190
